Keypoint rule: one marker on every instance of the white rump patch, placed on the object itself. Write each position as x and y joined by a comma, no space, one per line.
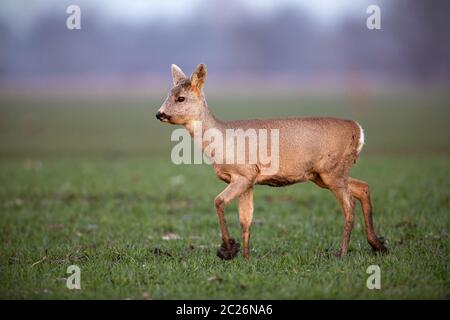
361,138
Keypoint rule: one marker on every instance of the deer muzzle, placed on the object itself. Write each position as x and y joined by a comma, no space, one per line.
161,116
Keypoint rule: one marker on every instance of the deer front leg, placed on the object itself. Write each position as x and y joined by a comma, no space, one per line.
230,247
245,217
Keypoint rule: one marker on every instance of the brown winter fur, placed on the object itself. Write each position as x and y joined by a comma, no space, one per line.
321,150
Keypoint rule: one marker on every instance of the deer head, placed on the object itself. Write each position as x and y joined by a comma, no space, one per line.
185,102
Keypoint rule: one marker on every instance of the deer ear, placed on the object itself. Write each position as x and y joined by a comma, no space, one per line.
198,77
177,74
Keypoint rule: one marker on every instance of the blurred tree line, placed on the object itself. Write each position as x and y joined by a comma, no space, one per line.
412,44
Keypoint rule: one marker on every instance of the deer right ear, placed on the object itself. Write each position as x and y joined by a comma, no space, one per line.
177,75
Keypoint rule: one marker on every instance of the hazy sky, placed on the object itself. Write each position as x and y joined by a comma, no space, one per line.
22,13
146,8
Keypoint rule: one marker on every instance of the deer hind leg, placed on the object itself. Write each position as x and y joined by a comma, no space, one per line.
245,217
360,190
338,186
229,248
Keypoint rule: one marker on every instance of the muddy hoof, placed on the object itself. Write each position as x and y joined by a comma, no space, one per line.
337,254
225,254
380,247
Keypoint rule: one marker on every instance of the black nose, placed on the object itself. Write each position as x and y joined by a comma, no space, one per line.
162,116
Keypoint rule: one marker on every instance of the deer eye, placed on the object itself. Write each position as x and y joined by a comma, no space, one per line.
180,99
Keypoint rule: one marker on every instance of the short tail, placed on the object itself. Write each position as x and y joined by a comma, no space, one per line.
361,138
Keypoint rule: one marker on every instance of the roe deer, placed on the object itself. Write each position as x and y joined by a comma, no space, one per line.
320,150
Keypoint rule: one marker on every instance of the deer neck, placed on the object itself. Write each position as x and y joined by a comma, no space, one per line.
206,122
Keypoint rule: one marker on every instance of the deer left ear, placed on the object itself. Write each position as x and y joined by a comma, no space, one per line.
198,77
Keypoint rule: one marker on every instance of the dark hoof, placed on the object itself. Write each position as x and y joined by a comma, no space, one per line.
379,247
337,254
341,254
228,254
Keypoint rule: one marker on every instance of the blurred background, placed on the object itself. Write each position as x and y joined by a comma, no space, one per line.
85,171
265,58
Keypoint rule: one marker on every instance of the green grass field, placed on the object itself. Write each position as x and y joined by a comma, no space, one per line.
89,181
